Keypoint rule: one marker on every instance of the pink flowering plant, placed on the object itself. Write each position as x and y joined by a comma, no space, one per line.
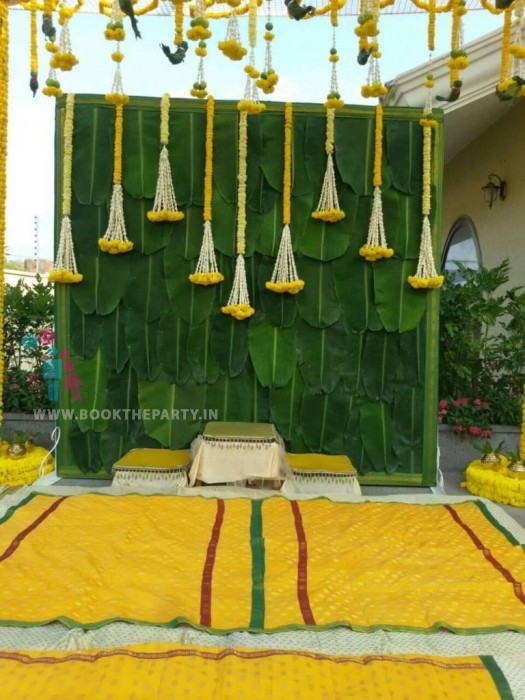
469,418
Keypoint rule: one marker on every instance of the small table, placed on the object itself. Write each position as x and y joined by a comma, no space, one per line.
152,468
321,474
233,452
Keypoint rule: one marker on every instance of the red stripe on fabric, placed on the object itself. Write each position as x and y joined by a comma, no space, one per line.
15,544
302,567
207,572
516,585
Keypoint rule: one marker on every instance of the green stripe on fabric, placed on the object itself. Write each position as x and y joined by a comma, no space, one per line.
498,677
257,545
9,512
486,512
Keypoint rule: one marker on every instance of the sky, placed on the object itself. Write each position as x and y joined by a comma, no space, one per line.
300,57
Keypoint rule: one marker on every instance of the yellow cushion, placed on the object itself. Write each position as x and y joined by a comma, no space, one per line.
312,462
152,458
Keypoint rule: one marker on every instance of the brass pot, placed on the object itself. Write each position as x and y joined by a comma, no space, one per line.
490,458
16,450
517,466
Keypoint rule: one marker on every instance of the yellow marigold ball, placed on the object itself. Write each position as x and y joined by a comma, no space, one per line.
206,278
116,98
232,49
52,91
238,311
114,246
334,103
329,215
117,56
293,287
198,33
165,215
250,107
64,276
52,48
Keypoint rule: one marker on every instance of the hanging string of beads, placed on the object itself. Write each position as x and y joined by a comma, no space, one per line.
284,276
65,268
33,51
426,276
250,103
238,304
199,31
328,208
268,79
207,272
165,204
376,246
115,240
64,59
231,47
179,22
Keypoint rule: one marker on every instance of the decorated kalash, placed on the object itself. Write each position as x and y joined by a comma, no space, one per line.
247,315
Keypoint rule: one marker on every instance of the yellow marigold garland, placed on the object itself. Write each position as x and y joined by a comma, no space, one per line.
522,433
165,204
33,81
4,81
26,469
284,276
376,247
231,47
207,272
512,73
496,482
65,268
268,78
458,60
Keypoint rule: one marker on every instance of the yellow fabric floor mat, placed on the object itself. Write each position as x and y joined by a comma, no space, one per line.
163,671
258,565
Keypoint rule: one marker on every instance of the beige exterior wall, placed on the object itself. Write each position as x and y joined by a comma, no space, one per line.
501,230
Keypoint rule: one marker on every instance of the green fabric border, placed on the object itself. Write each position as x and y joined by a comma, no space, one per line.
258,562
9,512
498,677
492,519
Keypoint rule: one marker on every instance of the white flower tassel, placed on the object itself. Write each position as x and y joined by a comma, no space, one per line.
165,204
207,271
238,304
285,277
329,199
376,246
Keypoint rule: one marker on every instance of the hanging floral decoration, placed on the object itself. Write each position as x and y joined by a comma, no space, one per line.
65,268
115,240
33,51
368,30
207,272
52,88
426,276
512,75
4,84
64,59
238,304
268,78
284,276
458,60
328,207
231,47
250,103
165,204
199,31
376,246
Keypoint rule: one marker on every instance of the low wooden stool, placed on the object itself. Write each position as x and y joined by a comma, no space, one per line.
152,469
318,473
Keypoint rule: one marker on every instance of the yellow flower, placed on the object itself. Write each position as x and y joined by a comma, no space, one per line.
114,246
116,98
334,103
24,470
250,107
200,93
52,91
52,48
63,60
285,287
252,72
165,215
65,276
115,33
458,62
496,482
269,36
334,58
331,215
426,121
201,51
117,56
232,49
206,278
198,33
238,311
375,252
426,282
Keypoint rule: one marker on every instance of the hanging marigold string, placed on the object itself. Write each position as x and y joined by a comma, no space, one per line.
522,433
65,268
238,304
376,246
199,31
33,79
64,59
328,207
284,276
368,31
207,272
250,104
4,76
268,78
165,204
512,75
179,22
458,60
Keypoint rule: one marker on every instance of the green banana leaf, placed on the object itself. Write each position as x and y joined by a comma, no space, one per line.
285,405
301,184
229,344
323,354
271,229
114,346
140,151
412,355
122,400
254,173
148,237
272,156
354,152
113,445
264,198
187,155
353,367
279,309
224,225
402,216
232,398
194,303
92,374
172,413
323,419
272,351
377,431
142,342
86,451
408,438
326,241
198,350
354,287
172,342
404,149
88,223
254,224
146,294
315,154
317,302
261,399
352,442
226,265
400,306
252,277
106,278
380,365
185,237
84,332
225,156
92,169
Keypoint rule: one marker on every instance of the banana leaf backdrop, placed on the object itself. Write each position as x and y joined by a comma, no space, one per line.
347,366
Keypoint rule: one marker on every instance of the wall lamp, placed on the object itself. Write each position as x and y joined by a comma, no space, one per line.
494,189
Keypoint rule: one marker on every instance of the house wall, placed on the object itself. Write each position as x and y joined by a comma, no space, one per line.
501,229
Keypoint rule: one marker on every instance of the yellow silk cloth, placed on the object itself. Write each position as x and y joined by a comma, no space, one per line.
163,671
147,458
337,464
258,565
